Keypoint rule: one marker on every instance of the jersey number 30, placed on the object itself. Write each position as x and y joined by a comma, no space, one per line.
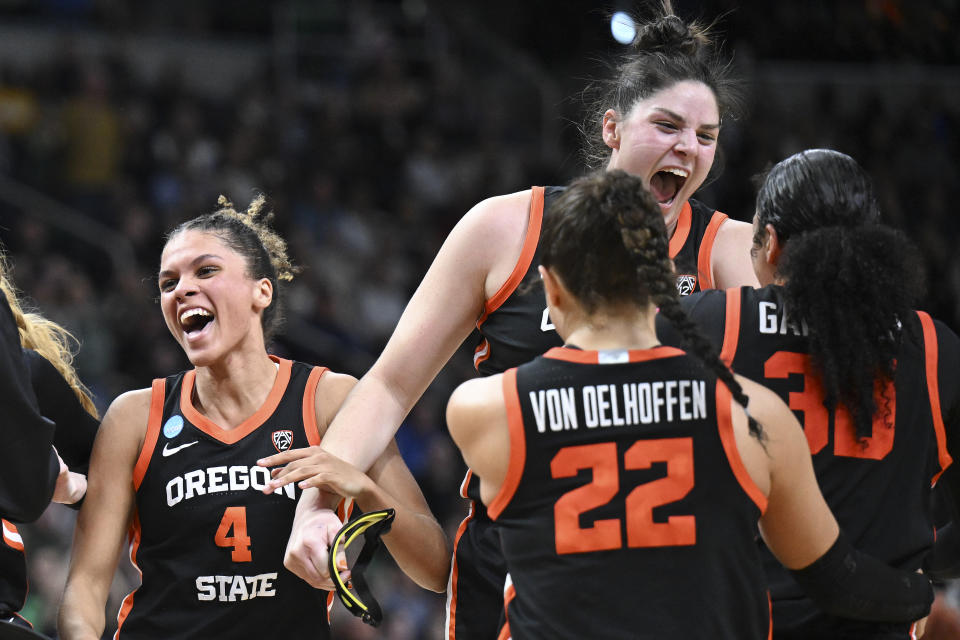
816,418
642,531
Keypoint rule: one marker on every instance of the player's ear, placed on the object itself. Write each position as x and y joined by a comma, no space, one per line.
771,247
553,287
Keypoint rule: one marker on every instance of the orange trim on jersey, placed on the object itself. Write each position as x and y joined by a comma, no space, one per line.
729,440
10,535
770,617
518,446
157,395
454,571
481,353
731,327
593,357
704,272
933,388
526,255
310,405
466,483
509,593
682,232
248,426
127,604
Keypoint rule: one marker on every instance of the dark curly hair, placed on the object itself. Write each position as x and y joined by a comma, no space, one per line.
665,51
249,234
848,278
606,239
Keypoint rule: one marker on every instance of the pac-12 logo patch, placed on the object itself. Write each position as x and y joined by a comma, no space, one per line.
282,440
686,284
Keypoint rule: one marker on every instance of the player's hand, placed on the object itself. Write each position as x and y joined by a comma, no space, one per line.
308,548
314,467
71,486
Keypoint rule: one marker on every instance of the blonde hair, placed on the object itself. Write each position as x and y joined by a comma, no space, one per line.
46,337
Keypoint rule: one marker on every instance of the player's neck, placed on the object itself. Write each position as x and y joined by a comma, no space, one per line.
231,392
602,331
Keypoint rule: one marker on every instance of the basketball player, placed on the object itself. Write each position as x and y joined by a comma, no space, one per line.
60,397
660,120
833,332
626,479
177,462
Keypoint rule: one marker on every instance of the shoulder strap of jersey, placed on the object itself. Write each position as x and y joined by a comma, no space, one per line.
682,231
310,405
731,325
526,255
725,427
704,273
933,389
518,446
158,394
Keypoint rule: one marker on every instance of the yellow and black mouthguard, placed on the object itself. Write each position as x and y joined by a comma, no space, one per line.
360,602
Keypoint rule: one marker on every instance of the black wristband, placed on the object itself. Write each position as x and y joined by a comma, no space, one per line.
846,583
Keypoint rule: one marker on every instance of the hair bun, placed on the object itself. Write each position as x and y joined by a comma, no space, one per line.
671,35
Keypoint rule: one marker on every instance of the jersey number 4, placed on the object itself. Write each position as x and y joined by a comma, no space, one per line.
816,418
234,519
642,531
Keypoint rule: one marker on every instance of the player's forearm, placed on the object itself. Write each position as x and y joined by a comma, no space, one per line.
367,421
416,540
80,616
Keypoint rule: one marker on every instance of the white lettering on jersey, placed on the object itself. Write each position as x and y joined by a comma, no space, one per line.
545,324
633,403
235,588
772,322
557,406
211,480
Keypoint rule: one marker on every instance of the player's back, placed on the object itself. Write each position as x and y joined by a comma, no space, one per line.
626,512
879,487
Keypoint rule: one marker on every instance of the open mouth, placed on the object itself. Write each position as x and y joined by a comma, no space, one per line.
666,184
195,320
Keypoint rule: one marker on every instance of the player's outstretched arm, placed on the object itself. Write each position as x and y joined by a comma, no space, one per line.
104,517
476,258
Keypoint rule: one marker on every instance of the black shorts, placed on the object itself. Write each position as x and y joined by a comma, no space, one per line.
475,596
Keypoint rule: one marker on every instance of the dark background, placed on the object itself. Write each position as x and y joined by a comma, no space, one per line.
372,126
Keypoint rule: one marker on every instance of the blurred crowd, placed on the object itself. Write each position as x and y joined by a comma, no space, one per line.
372,126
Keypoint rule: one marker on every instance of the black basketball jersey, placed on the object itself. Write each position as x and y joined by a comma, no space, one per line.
13,568
626,511
515,326
208,543
879,488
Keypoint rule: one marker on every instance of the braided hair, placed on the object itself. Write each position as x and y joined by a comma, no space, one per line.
606,239
846,277
665,51
249,234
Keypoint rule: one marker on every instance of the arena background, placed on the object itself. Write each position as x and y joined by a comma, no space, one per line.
372,126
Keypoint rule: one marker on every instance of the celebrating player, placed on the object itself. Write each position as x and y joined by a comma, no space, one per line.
177,462
834,333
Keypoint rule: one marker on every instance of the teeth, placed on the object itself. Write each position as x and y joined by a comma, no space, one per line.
683,173
189,313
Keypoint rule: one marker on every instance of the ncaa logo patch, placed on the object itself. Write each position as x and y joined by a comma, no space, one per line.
282,440
173,426
686,284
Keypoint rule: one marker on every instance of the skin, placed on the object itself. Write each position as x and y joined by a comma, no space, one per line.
234,377
797,525
669,129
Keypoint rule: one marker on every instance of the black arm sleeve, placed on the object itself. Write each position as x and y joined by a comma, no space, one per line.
28,465
849,584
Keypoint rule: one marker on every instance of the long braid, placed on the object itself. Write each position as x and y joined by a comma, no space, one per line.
650,248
